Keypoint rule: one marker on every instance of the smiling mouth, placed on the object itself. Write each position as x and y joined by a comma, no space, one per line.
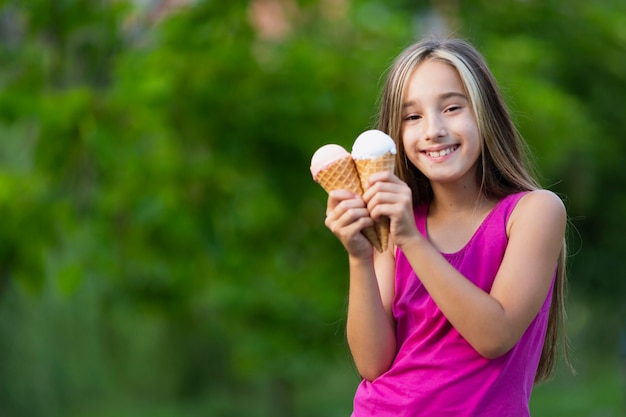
441,153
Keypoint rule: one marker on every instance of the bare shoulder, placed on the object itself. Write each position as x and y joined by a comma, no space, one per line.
540,201
539,208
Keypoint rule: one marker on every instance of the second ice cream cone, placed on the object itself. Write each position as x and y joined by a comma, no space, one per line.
374,151
367,167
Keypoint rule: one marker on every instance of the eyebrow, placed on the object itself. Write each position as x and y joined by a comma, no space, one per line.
444,96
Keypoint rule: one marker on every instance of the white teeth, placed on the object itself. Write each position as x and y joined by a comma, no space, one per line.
443,152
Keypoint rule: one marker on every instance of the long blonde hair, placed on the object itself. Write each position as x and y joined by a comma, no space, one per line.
504,167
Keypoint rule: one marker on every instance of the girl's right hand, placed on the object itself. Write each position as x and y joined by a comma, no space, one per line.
346,216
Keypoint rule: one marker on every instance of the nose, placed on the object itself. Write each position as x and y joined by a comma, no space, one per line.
434,128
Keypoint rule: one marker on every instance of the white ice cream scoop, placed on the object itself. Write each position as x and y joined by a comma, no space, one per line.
373,144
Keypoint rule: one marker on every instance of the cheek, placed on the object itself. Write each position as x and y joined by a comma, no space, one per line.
411,153
410,141
470,129
409,150
408,137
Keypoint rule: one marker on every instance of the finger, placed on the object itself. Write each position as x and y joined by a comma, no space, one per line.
350,223
386,182
335,197
342,194
381,210
394,203
382,186
345,217
341,205
351,226
384,176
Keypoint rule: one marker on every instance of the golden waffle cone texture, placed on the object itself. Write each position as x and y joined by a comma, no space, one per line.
367,167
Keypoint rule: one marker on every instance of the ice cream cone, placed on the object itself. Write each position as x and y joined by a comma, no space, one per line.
367,167
342,175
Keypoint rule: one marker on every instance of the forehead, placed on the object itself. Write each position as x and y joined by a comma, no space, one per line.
433,78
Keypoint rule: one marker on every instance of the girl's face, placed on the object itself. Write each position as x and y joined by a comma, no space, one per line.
439,130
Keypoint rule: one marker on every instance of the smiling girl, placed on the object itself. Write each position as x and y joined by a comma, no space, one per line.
462,316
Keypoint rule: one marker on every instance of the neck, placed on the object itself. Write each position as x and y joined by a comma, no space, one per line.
458,197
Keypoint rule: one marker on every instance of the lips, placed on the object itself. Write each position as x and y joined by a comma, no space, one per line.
441,152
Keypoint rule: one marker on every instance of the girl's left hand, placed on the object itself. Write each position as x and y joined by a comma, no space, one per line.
387,195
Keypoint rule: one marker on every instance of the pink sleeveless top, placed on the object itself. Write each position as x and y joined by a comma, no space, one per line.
436,372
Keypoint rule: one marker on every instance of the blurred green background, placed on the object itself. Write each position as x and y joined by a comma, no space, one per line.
162,247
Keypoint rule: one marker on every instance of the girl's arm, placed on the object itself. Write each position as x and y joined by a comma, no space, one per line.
493,322
370,324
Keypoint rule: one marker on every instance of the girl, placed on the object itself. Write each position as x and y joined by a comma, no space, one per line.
462,317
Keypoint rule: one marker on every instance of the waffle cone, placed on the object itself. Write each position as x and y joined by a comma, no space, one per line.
366,168
342,175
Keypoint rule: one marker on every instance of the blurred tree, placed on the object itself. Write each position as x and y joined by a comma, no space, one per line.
167,183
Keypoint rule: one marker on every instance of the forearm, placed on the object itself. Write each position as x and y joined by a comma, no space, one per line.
474,313
370,326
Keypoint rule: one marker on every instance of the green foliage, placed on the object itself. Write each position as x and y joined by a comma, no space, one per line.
162,248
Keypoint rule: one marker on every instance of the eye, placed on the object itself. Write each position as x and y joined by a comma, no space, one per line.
453,108
412,117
